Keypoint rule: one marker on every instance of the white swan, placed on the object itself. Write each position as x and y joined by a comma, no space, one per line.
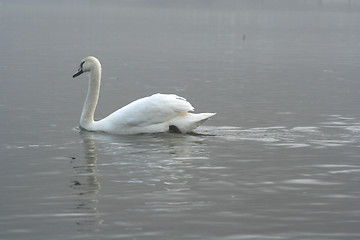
156,113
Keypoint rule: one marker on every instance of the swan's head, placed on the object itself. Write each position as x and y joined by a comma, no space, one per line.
87,64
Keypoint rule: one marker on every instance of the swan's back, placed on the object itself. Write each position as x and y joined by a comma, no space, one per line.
155,113
149,110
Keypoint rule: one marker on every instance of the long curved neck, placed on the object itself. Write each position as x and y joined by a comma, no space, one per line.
87,115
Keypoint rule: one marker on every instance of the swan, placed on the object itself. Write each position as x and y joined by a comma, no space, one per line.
153,114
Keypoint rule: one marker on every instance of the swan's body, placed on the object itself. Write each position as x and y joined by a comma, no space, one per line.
156,113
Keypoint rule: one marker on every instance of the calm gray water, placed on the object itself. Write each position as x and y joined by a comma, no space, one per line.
281,160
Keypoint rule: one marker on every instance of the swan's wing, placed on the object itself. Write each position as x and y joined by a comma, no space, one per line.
155,109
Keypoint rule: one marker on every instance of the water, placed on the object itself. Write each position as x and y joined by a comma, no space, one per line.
280,160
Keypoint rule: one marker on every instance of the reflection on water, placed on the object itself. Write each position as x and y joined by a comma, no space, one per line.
146,175
87,187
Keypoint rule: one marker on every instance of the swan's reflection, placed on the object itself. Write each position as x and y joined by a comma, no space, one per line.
157,170
87,185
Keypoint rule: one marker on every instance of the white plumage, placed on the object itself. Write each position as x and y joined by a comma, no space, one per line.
156,113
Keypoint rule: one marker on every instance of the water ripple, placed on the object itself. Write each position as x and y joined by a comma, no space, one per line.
310,182
321,135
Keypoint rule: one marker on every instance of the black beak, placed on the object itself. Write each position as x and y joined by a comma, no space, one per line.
80,71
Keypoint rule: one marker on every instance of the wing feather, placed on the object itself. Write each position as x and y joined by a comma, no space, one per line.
154,109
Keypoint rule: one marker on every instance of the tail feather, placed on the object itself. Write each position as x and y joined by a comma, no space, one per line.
188,122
